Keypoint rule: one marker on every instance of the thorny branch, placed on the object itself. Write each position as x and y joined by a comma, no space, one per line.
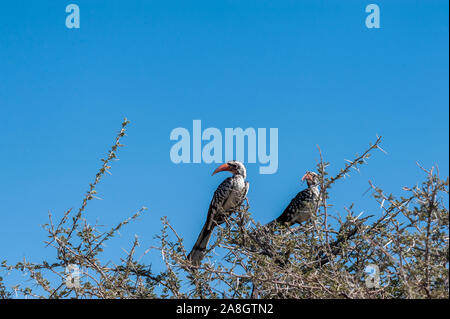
325,257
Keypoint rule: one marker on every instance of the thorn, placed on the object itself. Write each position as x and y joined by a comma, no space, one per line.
381,149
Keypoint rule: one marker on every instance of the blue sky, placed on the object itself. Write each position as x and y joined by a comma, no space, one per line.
309,68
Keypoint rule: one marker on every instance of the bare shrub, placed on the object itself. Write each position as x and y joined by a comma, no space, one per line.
405,249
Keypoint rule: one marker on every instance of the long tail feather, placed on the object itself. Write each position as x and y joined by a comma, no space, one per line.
198,251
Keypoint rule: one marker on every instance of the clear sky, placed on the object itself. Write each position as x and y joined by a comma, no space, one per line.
312,69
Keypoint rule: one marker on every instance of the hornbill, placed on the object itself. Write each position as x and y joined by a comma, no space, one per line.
227,198
301,206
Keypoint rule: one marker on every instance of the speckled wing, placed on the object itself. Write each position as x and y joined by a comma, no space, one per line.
221,195
245,192
299,209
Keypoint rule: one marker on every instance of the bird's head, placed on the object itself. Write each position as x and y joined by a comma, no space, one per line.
312,179
235,167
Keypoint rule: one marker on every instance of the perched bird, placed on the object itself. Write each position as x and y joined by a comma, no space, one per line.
227,198
301,206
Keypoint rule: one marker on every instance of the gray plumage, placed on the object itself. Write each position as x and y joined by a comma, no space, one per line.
227,199
302,206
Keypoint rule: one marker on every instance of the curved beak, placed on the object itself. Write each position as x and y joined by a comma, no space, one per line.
221,168
307,176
